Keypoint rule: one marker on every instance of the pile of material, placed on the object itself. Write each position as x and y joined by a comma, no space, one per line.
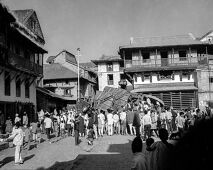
115,98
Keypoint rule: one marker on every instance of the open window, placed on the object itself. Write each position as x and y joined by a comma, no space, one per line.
182,55
110,79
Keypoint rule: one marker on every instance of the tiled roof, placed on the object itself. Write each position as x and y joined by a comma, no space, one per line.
69,57
163,41
105,58
57,71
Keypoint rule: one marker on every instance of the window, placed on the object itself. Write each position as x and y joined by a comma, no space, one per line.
146,57
122,64
182,55
67,92
211,79
18,87
7,83
27,89
109,67
33,25
122,77
110,79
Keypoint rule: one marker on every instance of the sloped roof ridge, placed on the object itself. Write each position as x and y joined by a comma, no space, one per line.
164,37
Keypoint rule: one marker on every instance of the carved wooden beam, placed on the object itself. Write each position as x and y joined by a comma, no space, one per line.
32,81
19,76
7,75
39,80
14,76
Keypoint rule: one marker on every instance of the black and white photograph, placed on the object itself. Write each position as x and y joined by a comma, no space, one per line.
106,84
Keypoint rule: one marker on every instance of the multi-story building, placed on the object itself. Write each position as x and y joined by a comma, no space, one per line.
21,61
175,69
110,71
65,65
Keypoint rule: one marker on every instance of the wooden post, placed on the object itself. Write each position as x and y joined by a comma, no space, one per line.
156,56
124,59
190,56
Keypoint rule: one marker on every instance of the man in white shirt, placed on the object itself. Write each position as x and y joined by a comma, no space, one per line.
116,123
102,118
146,121
123,122
110,122
48,126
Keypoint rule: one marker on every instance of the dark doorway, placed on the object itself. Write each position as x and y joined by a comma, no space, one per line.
164,58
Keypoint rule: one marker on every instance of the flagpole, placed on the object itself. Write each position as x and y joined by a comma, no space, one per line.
78,93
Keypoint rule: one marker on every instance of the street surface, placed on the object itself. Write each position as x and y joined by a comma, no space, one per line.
108,152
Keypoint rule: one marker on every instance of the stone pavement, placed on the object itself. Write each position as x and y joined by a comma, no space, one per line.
108,152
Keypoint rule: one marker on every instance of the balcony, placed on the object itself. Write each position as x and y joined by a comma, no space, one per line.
23,64
168,62
110,82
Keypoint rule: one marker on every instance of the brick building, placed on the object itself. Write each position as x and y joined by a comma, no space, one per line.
61,77
21,61
176,69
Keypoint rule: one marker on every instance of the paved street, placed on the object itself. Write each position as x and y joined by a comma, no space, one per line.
109,152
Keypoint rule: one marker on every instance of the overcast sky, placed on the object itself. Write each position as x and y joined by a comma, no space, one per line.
100,26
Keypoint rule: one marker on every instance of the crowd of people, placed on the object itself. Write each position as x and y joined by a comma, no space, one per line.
139,118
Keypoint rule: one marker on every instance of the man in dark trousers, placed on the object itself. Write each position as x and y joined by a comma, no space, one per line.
76,128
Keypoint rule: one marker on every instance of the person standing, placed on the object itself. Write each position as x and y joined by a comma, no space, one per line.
129,118
136,120
17,119
116,123
180,122
9,126
81,125
18,137
154,119
25,119
76,128
110,122
169,120
48,125
95,123
123,122
101,116
147,124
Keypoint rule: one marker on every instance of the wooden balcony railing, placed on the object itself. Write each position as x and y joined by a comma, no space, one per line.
110,82
24,64
167,62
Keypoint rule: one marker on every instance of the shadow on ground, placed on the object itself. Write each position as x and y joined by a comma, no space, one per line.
11,159
118,157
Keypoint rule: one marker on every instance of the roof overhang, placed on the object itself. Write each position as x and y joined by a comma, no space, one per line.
164,88
143,69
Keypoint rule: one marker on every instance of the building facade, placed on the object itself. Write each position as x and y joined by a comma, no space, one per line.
68,86
175,69
21,61
110,71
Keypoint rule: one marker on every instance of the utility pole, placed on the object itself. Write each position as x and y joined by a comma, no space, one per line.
78,93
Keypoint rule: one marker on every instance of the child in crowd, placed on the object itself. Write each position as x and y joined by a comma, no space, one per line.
33,129
27,137
38,132
90,136
62,128
139,161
